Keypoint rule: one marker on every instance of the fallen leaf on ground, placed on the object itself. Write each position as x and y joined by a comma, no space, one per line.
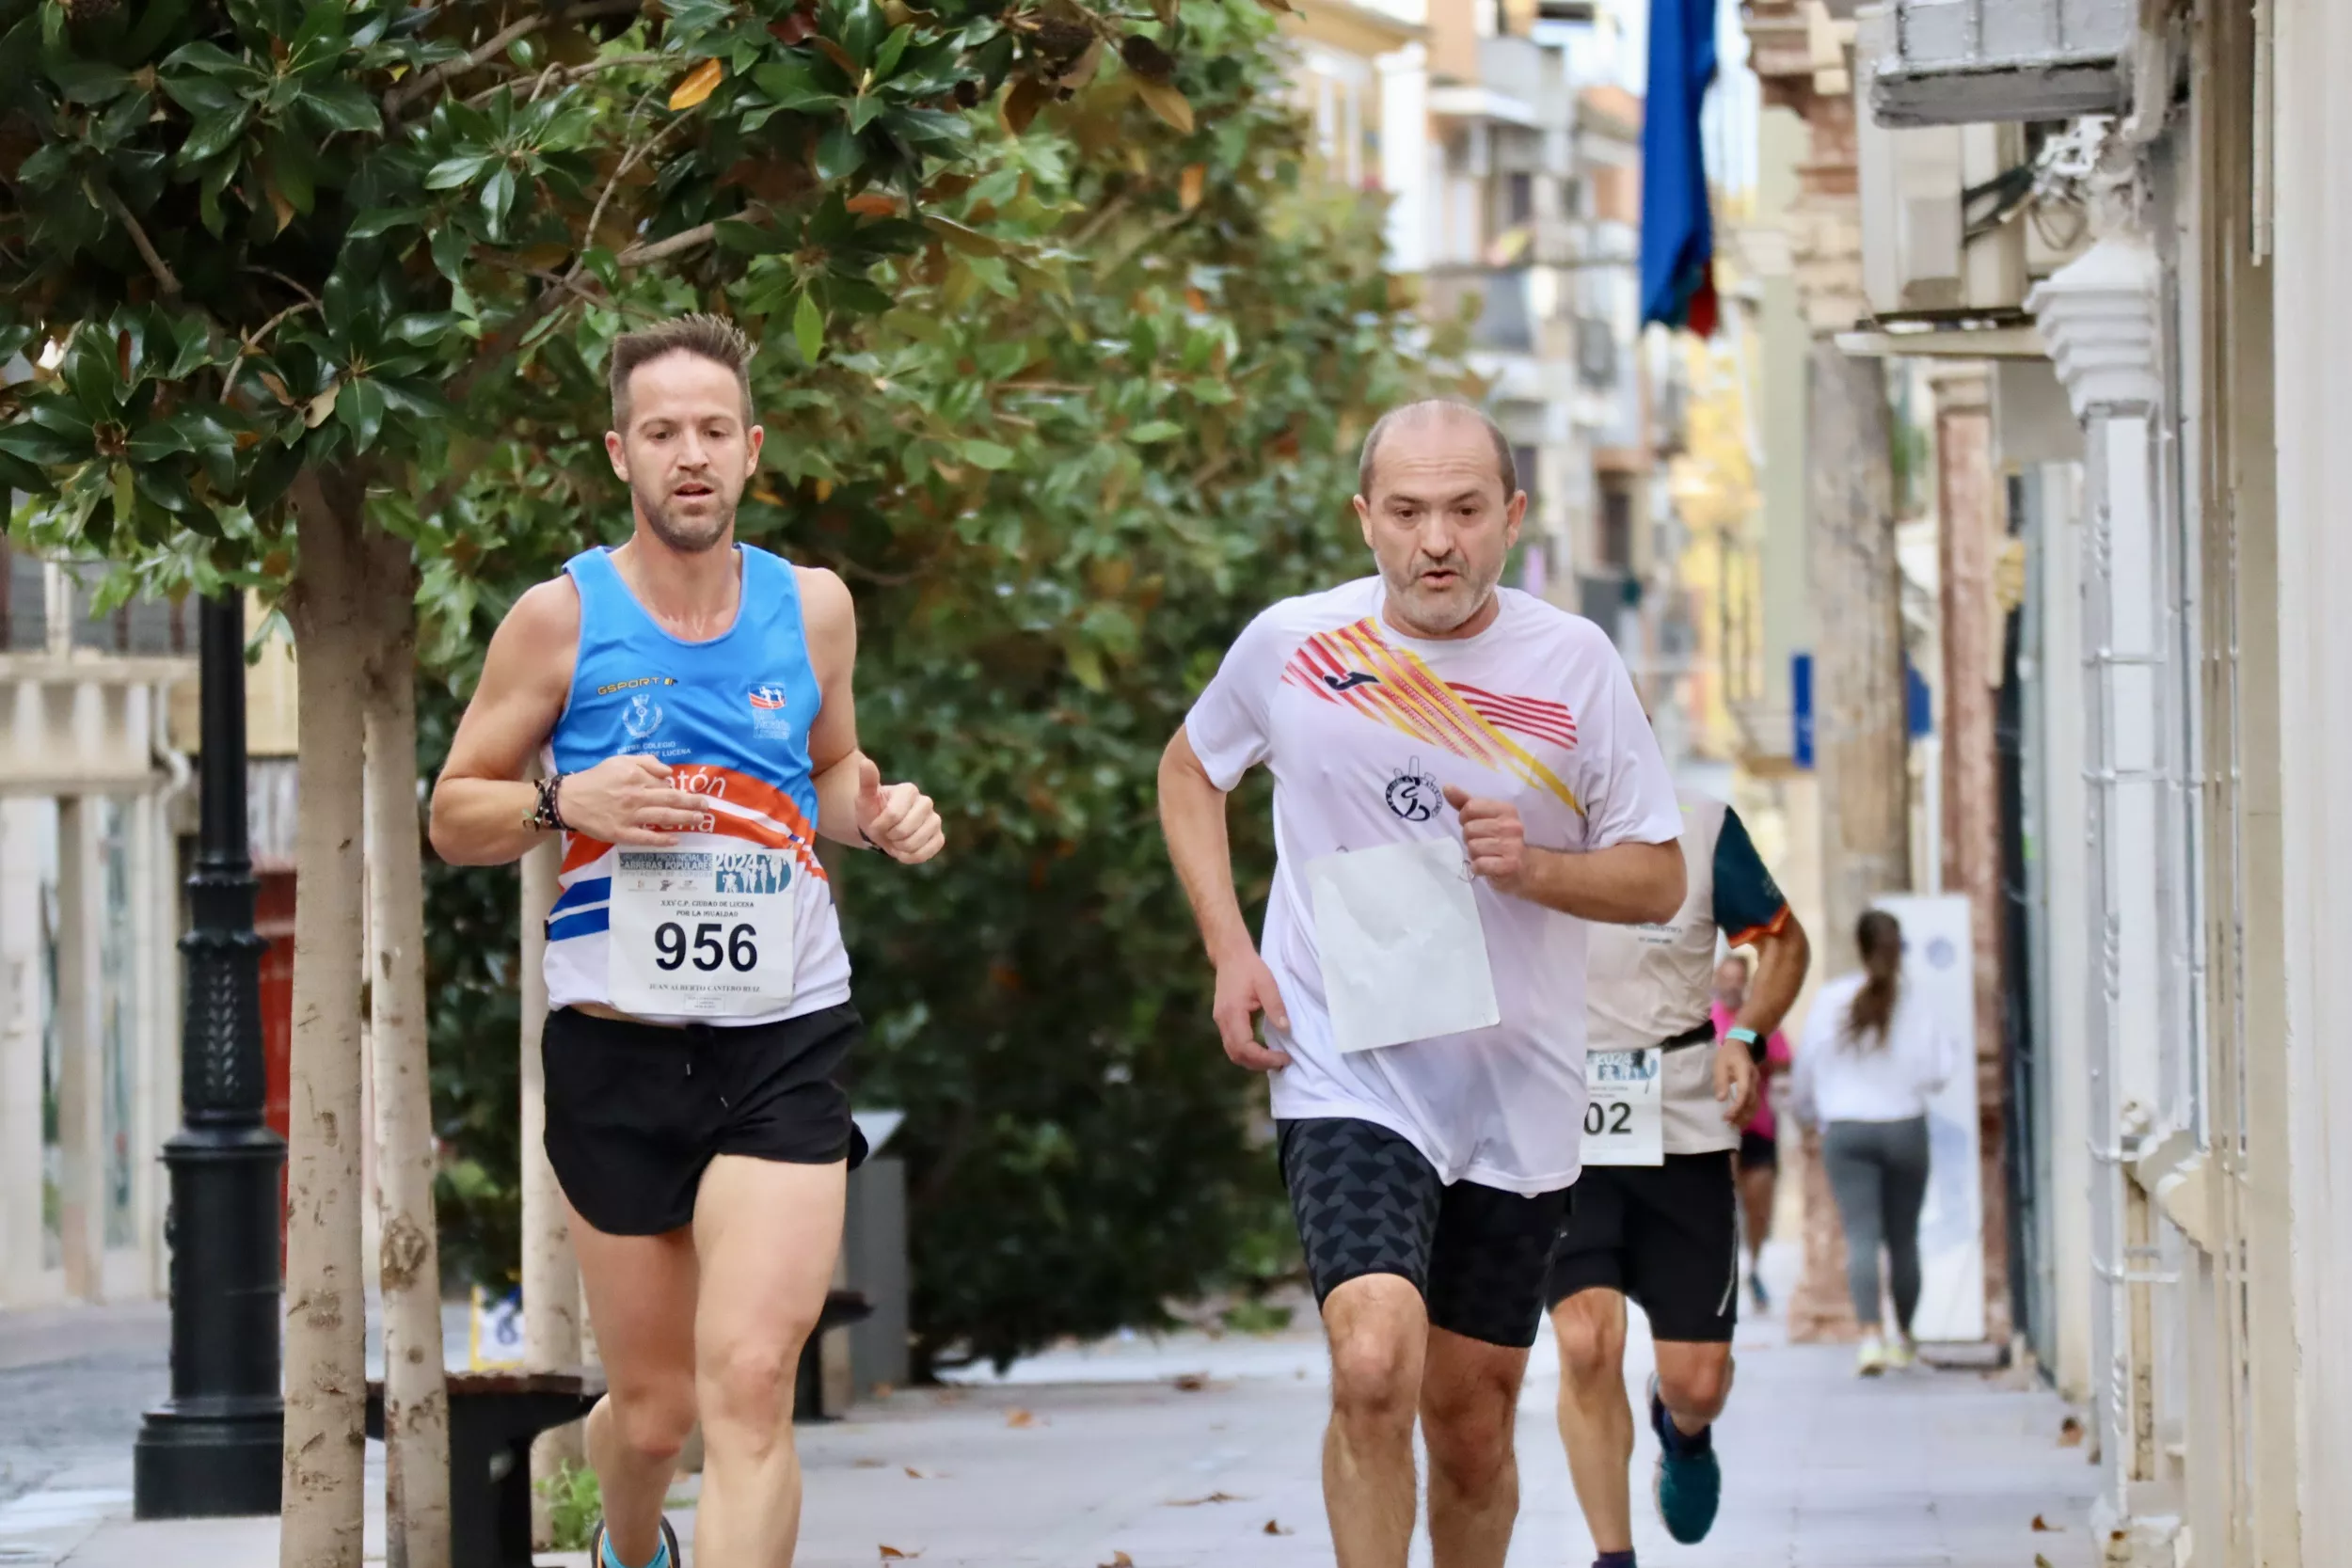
915,1474
2043,1527
884,1390
870,1465
1192,1383
1021,1419
2070,1433
2041,1562
1211,1497
892,1554
1119,1560
1273,1527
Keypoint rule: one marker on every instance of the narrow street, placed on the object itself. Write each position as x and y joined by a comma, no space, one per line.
1188,1451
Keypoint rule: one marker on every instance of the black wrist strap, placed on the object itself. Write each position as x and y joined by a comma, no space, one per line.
549,813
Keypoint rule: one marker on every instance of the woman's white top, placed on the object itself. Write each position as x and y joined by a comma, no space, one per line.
1841,1078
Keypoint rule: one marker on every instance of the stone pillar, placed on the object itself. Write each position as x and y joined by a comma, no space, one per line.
2101,317
1404,167
1972,528
81,1077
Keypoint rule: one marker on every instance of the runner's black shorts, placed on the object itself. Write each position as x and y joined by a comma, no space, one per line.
1367,1202
1667,1235
636,1111
1759,1150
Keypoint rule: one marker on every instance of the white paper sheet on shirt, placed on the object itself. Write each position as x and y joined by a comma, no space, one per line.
1403,955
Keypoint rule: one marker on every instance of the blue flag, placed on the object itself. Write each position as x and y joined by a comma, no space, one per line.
1678,232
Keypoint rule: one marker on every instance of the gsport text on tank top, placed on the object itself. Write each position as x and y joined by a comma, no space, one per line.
734,923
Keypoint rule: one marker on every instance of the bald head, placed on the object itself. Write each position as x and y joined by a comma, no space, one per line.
1423,415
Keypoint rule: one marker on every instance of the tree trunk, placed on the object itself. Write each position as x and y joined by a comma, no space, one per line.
325,1304
1859,734
416,1394
551,1274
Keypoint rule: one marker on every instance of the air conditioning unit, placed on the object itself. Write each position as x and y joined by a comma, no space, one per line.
1944,221
1944,63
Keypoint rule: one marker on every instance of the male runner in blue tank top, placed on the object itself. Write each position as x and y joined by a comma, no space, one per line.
691,700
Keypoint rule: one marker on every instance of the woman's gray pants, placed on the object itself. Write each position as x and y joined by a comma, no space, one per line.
1879,1172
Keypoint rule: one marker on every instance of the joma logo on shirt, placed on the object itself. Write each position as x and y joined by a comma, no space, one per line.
1351,680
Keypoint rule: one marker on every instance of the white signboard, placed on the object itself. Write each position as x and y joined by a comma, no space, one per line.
1939,963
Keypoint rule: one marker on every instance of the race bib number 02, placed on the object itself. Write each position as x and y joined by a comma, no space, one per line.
1624,1122
701,933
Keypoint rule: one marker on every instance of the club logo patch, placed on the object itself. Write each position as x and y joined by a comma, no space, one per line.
644,716
1413,794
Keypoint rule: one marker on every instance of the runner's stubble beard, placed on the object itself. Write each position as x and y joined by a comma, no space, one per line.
686,534
1440,610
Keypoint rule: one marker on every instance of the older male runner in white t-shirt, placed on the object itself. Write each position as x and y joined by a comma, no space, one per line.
1463,779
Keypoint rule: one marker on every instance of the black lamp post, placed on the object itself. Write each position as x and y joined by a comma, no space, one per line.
213,1447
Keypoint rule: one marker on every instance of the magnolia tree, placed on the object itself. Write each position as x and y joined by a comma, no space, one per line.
1093,433
290,273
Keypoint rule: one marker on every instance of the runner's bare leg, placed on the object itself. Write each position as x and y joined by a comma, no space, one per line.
767,1234
1596,1417
1470,1400
640,1300
1379,1333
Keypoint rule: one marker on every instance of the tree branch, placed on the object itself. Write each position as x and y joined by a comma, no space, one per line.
676,244
629,160
164,277
556,75
397,100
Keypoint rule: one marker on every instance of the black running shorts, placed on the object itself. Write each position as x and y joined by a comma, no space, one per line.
1367,1202
1667,1235
636,1111
1758,1152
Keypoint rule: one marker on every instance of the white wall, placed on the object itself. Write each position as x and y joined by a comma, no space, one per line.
2311,60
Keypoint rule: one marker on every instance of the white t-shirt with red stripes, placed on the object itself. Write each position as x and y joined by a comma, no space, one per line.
1363,728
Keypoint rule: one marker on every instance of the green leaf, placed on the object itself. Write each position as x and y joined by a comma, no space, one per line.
156,441
886,59
362,410
319,46
863,108
87,81
809,328
425,328
382,220
498,197
39,445
343,106
1156,430
838,154
988,454
863,35
449,173
450,246
126,495
214,134
791,84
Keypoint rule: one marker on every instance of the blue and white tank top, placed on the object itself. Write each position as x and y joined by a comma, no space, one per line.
731,718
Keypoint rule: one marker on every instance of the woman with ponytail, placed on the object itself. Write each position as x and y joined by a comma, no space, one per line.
1873,1057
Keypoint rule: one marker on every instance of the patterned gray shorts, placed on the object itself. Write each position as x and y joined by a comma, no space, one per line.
1367,1202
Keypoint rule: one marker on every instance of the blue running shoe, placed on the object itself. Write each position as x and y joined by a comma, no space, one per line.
1689,1482
601,1554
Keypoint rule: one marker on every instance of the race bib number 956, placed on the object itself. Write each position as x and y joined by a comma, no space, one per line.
705,933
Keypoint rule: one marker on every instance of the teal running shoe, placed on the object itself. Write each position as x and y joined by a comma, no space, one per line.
1689,1486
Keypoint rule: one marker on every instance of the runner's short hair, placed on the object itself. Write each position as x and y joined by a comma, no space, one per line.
1425,412
707,337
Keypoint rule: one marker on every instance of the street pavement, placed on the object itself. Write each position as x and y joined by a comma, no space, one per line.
1188,1452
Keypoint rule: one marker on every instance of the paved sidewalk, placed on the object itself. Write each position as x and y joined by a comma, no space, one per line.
1192,1453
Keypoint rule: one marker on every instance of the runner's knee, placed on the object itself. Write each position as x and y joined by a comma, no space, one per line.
747,1388
1466,1422
1695,1386
1373,1375
654,1419
1592,1342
